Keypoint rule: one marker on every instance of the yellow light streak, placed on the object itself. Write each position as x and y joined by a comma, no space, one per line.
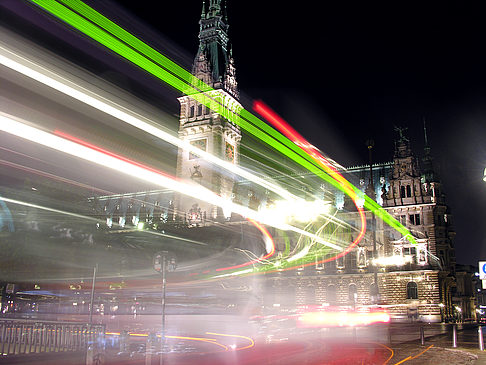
252,343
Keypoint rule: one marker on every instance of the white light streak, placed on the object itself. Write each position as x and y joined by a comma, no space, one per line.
54,80
10,125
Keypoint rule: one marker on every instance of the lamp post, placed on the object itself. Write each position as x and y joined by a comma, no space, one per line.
91,298
370,144
163,263
441,306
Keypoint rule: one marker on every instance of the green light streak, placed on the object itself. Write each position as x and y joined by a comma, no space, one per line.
142,55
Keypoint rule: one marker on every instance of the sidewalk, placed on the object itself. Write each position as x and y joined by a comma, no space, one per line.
438,350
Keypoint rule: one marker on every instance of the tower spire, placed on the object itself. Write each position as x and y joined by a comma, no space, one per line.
203,10
425,135
214,63
427,160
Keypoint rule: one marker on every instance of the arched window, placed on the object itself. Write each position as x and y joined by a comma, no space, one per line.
402,191
331,294
409,191
352,293
412,292
191,112
199,109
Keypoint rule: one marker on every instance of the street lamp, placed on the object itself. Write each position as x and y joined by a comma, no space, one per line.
163,262
370,144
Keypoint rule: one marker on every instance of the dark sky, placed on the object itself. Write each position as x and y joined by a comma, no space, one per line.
348,71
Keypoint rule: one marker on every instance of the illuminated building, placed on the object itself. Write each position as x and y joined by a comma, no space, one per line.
415,281
204,128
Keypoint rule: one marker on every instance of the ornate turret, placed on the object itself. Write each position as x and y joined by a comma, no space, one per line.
214,62
405,184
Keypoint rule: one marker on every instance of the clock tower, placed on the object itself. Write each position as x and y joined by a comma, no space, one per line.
203,127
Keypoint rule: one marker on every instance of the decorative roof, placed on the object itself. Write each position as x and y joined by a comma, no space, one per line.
214,62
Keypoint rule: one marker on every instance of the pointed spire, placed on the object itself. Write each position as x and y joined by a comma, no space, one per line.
426,141
427,160
203,11
425,134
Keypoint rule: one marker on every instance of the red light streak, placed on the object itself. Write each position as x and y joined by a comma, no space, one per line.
281,125
108,153
267,235
111,154
341,318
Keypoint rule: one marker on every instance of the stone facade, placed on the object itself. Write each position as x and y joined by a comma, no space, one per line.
204,126
416,287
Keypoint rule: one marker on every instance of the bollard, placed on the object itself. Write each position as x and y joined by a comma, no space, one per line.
422,336
90,354
124,342
150,348
480,338
454,335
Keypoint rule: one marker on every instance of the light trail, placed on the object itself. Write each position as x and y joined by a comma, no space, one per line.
329,168
252,343
329,318
52,176
107,33
56,81
75,147
392,353
244,119
269,245
294,136
31,205
202,339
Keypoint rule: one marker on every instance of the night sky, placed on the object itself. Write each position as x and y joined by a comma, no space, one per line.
347,71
